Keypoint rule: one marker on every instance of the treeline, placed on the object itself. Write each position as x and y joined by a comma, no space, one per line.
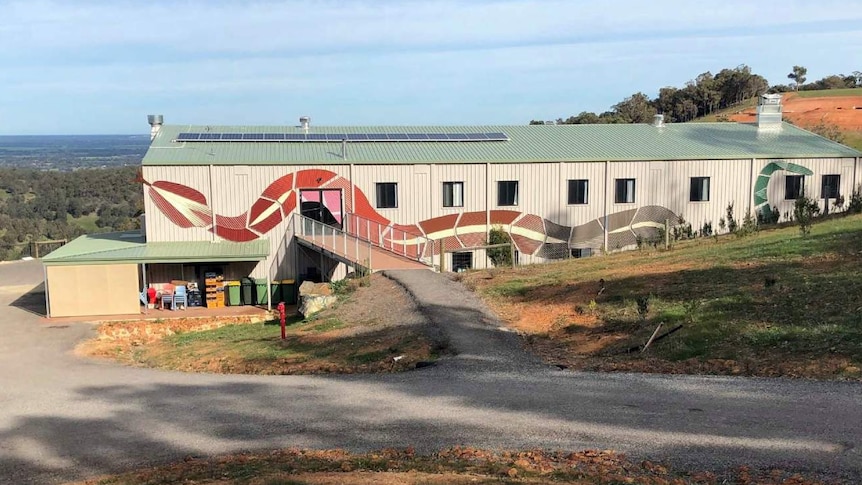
704,95
38,205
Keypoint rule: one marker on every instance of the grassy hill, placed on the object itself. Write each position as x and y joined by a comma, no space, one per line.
830,93
775,304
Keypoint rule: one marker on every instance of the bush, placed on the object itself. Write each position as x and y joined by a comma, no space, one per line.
499,256
749,226
855,205
732,225
805,209
767,216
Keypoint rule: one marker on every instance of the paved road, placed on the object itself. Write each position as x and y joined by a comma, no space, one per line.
64,418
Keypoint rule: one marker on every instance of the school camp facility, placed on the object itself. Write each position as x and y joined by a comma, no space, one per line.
318,202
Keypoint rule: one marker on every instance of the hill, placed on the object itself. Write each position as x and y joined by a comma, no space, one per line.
773,304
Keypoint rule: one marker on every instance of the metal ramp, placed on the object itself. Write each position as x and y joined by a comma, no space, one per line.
371,247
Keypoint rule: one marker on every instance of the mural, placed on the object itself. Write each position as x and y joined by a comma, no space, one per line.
761,204
532,234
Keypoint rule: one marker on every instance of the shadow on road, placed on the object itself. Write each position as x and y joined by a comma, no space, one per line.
33,301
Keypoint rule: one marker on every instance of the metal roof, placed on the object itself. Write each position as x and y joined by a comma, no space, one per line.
130,247
527,143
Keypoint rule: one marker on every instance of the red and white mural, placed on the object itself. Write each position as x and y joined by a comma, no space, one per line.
532,234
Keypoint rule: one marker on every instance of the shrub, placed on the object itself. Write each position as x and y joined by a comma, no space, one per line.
732,225
643,306
805,209
749,226
499,256
706,229
855,205
767,216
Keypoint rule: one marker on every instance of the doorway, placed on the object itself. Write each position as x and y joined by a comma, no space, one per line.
322,205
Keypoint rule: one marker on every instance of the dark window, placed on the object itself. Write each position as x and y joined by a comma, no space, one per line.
462,261
579,191
794,186
625,193
699,189
829,187
581,252
387,195
453,194
507,192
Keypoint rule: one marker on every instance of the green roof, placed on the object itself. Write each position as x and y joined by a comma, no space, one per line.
130,247
527,143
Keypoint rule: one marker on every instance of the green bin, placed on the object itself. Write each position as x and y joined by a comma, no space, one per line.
275,286
247,291
233,288
288,292
261,294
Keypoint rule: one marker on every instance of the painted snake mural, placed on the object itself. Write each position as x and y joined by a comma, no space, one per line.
532,234
761,204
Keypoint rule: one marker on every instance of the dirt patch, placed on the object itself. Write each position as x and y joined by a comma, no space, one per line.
376,328
459,465
842,111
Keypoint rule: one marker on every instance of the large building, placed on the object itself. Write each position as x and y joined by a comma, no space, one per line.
311,201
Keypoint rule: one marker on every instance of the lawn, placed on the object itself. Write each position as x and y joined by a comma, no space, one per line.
775,303
822,93
86,223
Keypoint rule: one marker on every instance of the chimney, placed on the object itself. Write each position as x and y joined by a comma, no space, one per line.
155,125
304,121
769,112
658,121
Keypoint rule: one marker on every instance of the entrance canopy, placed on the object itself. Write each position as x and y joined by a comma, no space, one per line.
131,247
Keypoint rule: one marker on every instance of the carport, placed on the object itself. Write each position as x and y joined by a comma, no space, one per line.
104,274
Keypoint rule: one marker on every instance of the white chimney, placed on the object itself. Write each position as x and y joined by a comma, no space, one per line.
155,125
769,112
658,120
304,121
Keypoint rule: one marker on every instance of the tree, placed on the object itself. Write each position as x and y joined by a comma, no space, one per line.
637,108
798,75
499,256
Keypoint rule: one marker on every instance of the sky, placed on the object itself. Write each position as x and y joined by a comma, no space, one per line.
99,67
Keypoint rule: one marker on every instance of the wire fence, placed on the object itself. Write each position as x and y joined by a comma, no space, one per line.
34,249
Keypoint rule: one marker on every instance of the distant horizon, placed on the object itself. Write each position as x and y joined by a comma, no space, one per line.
95,67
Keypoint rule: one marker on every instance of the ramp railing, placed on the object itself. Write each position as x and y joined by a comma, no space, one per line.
333,239
406,243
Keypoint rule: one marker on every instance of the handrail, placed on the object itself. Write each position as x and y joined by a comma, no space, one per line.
333,239
408,244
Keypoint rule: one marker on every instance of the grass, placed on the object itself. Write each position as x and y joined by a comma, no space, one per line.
824,93
713,117
771,298
853,139
86,223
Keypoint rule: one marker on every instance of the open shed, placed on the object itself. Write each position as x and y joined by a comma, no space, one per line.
106,274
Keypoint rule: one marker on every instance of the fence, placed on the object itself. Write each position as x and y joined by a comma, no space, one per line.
34,249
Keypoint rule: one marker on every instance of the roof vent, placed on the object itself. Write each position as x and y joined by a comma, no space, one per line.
155,122
658,121
304,121
769,112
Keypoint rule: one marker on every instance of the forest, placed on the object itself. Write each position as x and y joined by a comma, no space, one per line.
38,205
706,94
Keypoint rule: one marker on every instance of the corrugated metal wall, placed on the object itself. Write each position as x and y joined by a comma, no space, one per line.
543,190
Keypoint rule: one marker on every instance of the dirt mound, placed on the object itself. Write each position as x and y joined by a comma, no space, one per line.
842,111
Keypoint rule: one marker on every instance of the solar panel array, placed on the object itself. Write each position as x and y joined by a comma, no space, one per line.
338,137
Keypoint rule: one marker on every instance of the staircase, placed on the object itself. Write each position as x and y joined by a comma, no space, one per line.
365,243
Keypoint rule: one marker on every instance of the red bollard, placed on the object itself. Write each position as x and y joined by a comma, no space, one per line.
281,316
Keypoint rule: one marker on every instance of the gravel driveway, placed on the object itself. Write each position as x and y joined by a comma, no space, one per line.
65,418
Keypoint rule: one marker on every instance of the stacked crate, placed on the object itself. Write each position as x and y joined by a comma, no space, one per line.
214,290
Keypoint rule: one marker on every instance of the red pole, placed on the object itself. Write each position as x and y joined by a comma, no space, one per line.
281,316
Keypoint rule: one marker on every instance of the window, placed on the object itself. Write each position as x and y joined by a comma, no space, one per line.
581,252
507,192
699,189
625,193
794,186
453,194
829,187
387,195
462,261
579,191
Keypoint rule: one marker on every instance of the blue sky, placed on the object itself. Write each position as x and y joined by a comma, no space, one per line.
88,67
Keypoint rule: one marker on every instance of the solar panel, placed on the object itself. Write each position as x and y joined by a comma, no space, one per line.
338,137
